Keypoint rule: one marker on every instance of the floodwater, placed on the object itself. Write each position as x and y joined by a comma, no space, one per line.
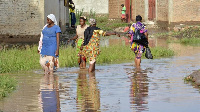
157,87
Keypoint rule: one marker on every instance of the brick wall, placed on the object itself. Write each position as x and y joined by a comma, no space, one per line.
21,17
27,17
186,10
115,8
162,10
138,8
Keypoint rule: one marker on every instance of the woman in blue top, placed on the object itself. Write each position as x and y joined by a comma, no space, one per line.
49,45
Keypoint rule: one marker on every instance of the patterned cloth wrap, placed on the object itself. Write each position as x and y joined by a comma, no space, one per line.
91,50
79,42
136,47
49,63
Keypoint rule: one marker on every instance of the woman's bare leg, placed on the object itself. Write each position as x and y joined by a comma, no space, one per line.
92,67
84,64
137,62
81,65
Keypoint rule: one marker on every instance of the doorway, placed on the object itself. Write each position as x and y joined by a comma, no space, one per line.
152,10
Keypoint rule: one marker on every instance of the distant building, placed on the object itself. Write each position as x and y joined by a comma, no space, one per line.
169,11
27,17
98,6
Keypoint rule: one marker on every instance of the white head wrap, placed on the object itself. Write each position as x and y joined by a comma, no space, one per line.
53,18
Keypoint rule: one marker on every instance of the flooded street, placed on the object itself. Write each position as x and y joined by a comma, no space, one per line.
157,87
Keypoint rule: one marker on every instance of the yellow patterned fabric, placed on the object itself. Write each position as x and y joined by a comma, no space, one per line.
91,50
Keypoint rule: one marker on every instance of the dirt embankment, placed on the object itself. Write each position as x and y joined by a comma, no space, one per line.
194,77
17,41
6,38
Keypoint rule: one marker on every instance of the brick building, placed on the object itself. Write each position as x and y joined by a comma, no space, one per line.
27,17
170,11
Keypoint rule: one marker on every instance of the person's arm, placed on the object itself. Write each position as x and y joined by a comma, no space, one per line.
146,34
73,38
40,43
112,33
58,43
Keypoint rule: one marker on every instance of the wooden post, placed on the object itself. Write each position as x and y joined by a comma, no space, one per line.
127,4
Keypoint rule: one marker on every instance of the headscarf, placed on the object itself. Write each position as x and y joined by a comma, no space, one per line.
53,18
88,34
92,21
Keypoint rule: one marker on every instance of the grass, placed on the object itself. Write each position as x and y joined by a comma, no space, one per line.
161,52
107,24
103,21
190,41
7,85
185,41
189,36
14,60
192,32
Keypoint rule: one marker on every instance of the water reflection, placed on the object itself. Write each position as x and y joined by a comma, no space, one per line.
49,93
139,89
88,95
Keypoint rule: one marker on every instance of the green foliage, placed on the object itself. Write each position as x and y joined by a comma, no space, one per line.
190,41
7,85
92,14
121,53
115,53
189,36
107,24
14,60
68,57
78,14
192,32
103,21
17,60
188,79
161,52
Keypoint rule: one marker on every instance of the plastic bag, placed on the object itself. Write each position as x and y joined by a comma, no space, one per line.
148,54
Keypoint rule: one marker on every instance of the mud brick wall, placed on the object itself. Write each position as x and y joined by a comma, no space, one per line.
138,8
21,17
162,10
185,10
115,8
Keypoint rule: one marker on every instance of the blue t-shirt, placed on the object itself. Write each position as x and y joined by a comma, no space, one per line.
49,41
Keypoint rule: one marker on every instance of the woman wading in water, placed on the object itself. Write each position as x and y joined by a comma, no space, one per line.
49,45
136,46
90,47
79,40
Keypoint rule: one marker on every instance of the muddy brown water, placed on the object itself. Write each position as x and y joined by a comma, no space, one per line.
157,87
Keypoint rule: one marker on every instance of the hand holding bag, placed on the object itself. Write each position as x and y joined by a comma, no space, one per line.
148,54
